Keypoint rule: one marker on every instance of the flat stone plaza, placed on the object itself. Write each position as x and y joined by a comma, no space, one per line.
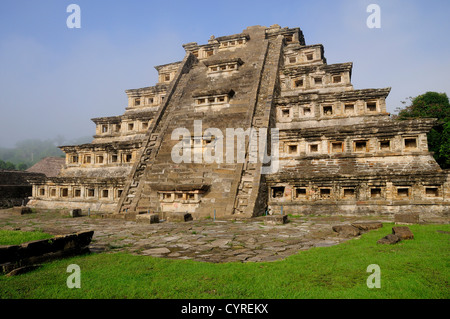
218,241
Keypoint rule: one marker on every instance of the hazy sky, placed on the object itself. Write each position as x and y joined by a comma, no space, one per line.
53,79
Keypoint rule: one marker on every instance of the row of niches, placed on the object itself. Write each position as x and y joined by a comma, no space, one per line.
75,192
287,113
213,99
359,145
315,81
356,192
146,100
124,127
166,77
223,67
303,56
206,51
100,158
233,43
203,53
353,145
179,197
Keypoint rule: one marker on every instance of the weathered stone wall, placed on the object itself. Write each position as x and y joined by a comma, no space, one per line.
14,195
341,153
98,194
15,188
38,251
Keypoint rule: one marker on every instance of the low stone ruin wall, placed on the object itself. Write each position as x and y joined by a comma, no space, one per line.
38,251
12,195
362,209
15,188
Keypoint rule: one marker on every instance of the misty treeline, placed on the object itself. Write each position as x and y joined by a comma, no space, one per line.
28,152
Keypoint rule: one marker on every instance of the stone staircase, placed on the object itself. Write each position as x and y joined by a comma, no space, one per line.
250,198
234,188
132,189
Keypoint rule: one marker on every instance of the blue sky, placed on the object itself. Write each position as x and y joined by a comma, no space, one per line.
53,79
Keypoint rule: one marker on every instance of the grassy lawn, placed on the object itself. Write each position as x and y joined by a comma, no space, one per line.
14,237
416,268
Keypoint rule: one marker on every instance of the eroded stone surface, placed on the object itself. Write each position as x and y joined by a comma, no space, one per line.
364,226
407,219
403,232
389,239
346,230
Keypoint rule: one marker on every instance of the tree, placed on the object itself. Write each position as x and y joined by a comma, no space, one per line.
7,165
22,167
432,105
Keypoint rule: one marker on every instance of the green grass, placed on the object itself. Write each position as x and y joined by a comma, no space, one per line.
416,268
16,237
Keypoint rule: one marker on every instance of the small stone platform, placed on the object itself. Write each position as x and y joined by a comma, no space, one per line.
147,218
275,219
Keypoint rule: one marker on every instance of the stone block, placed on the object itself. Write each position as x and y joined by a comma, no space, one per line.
28,253
346,230
402,232
407,218
22,270
84,238
113,216
365,226
36,248
147,218
178,217
156,251
389,239
8,253
75,213
22,210
129,216
7,267
275,219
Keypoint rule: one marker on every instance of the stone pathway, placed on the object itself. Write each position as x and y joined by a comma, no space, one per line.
202,240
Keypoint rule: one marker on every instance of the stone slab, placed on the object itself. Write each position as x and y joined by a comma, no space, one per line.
365,226
406,219
389,239
220,243
403,232
75,213
129,216
22,210
178,217
15,256
346,230
275,219
147,218
156,251
22,270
